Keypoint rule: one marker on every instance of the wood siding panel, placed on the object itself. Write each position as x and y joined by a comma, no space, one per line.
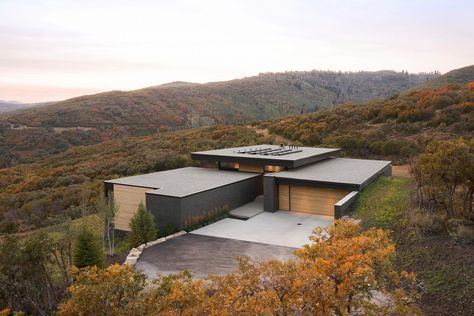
315,200
284,197
251,168
128,198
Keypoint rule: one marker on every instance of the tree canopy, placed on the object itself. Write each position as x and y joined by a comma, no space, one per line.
445,168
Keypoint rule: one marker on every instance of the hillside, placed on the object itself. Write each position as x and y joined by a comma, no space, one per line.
179,105
456,76
28,135
6,106
397,128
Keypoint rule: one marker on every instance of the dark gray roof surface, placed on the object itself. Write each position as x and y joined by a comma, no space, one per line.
337,170
184,181
294,157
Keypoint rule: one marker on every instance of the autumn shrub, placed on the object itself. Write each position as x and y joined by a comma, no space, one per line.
427,222
338,273
116,290
444,174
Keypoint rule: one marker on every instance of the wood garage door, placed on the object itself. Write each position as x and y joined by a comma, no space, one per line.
312,200
128,198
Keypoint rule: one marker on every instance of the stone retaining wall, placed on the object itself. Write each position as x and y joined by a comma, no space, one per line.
135,253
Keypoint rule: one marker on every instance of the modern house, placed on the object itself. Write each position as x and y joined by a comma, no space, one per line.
294,179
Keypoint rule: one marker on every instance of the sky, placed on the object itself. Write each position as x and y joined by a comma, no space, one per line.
53,50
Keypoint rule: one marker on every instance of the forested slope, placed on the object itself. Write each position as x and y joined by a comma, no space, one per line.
397,128
192,105
32,134
456,76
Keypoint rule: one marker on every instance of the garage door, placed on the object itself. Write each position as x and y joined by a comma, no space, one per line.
312,200
127,198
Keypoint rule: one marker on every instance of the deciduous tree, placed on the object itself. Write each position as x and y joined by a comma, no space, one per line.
29,281
441,170
107,208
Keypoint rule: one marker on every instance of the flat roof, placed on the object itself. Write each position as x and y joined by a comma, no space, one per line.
338,171
184,181
287,156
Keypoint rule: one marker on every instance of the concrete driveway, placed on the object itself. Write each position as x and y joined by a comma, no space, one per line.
203,255
282,228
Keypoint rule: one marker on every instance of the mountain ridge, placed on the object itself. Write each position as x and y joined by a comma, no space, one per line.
456,76
185,105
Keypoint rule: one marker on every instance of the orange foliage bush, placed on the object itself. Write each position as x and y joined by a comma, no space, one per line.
337,274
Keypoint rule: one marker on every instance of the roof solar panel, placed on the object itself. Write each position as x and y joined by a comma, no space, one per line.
271,151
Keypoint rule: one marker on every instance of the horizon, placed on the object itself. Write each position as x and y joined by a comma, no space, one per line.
55,50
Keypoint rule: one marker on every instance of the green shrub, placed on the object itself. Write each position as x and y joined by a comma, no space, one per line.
143,227
87,250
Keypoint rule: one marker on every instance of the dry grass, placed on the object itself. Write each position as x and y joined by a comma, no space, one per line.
401,171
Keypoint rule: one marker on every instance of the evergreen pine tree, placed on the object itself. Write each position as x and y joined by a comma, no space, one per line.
87,250
143,227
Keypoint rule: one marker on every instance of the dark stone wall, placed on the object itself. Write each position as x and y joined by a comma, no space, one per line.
165,209
206,205
180,213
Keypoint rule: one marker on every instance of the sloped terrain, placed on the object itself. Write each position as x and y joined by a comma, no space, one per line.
192,105
397,128
29,135
456,76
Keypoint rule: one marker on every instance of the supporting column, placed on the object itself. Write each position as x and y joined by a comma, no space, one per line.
270,194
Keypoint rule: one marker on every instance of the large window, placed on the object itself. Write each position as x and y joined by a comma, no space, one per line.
229,165
270,168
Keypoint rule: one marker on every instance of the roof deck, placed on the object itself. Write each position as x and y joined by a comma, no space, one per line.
184,181
286,156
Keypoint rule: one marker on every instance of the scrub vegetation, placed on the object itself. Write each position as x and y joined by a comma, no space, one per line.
439,259
397,128
48,193
338,275
54,128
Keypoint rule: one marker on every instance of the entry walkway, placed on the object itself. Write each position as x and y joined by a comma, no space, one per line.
282,228
248,210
